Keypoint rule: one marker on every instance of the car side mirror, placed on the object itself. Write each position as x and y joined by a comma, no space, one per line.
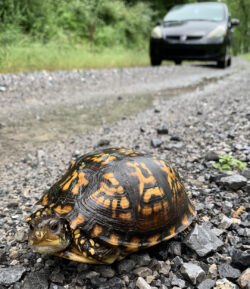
235,22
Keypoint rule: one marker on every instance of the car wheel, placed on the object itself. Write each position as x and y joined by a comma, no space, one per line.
229,61
177,62
155,61
222,63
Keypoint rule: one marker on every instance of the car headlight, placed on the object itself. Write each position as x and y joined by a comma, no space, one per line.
218,32
156,32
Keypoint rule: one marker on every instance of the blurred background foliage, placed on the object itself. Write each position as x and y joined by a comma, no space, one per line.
92,25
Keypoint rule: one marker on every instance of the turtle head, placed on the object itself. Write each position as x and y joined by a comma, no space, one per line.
48,234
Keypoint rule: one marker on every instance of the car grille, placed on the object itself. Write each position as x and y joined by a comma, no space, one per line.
184,37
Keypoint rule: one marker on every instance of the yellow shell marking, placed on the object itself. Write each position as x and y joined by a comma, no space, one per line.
172,231
63,210
92,242
106,203
146,211
125,216
110,177
66,186
45,200
133,244
96,231
124,203
153,240
142,179
184,220
157,207
77,221
171,175
113,240
191,210
81,181
110,158
153,191
92,251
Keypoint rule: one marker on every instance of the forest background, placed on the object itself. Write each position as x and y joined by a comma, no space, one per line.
68,34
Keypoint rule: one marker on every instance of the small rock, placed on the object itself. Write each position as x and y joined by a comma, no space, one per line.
115,283
227,271
36,280
57,277
21,235
202,240
162,130
225,222
174,146
175,248
246,173
11,275
241,258
106,271
156,142
126,266
175,138
142,259
165,268
103,142
142,271
178,282
244,278
233,182
212,156
142,284
150,278
193,272
13,254
206,284
91,274
212,271
224,284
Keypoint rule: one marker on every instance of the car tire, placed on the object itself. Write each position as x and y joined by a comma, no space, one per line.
222,63
229,61
155,61
178,62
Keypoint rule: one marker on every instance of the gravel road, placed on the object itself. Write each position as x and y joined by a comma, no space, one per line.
187,115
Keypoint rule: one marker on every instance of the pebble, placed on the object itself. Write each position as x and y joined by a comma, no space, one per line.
225,222
156,142
36,280
202,240
142,284
224,284
193,272
142,271
206,284
213,271
162,130
241,258
126,266
10,275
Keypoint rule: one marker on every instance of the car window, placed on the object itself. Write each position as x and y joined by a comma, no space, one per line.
211,12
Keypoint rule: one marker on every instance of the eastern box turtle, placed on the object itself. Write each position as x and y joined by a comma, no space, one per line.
109,204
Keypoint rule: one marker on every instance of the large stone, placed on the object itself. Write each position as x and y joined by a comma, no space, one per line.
233,182
194,272
225,222
11,275
227,271
202,240
244,279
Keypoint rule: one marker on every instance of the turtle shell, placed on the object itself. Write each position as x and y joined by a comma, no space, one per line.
121,197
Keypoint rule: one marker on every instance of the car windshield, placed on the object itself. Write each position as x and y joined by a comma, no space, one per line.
208,11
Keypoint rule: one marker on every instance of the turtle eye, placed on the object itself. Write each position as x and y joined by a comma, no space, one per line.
54,226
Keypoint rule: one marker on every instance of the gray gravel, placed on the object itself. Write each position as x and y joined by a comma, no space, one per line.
193,111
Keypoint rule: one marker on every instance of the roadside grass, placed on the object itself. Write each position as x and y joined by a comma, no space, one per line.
52,56
246,56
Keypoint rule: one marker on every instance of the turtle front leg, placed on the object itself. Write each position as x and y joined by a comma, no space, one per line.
88,250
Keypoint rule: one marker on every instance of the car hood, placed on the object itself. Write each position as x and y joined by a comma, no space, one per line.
190,27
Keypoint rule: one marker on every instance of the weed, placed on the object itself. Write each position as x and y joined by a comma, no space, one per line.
228,163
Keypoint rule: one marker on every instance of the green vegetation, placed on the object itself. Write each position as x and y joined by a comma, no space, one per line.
66,34
246,56
228,163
